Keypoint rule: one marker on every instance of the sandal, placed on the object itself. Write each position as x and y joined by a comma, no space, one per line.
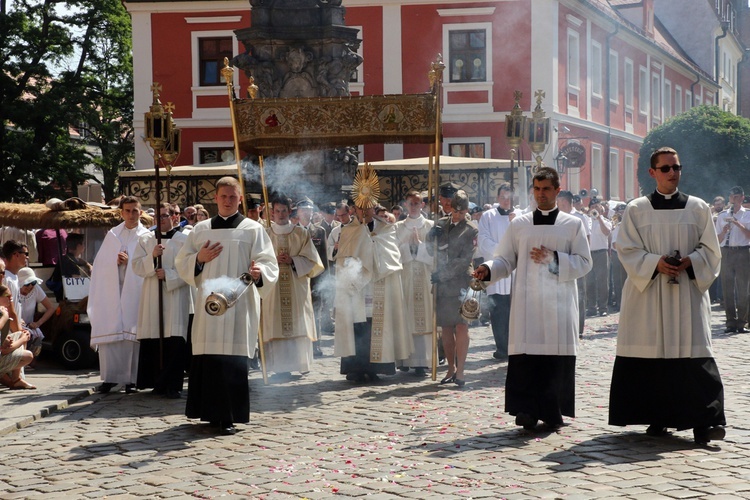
22,384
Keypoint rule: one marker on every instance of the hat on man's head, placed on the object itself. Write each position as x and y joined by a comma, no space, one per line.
26,276
329,208
620,207
460,200
253,201
305,203
576,199
448,189
736,190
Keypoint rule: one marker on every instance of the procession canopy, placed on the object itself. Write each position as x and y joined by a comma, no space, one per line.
64,216
279,126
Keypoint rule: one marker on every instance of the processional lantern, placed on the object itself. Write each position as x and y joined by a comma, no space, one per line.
514,124
537,129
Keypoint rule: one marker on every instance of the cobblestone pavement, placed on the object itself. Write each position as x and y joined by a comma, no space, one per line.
319,436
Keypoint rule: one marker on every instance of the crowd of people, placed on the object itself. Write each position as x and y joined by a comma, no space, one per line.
368,274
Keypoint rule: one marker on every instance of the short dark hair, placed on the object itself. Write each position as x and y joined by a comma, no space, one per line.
282,200
73,240
11,247
505,186
661,151
129,199
342,205
547,173
566,195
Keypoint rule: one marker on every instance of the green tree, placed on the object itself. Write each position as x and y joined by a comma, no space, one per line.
714,148
64,64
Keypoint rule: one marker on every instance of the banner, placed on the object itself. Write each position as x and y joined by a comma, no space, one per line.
277,126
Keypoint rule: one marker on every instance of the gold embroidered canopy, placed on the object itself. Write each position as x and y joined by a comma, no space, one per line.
276,126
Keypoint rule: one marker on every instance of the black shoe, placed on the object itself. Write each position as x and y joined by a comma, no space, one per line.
372,377
742,330
227,429
105,387
551,427
655,430
130,389
420,372
448,380
441,361
403,368
498,355
459,382
703,435
317,352
730,329
526,421
172,395
603,313
254,363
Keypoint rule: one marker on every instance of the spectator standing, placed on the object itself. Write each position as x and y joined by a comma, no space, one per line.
733,230
49,246
597,281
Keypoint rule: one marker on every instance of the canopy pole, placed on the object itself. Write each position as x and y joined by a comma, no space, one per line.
228,73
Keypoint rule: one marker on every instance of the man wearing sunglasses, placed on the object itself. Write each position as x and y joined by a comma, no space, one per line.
665,375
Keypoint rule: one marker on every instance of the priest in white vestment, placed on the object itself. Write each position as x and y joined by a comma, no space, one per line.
549,251
288,316
417,263
161,364
114,298
665,375
218,251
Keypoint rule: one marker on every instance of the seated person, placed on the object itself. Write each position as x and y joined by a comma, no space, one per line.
71,265
13,353
31,295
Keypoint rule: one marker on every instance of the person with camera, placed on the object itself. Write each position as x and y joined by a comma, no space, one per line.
734,237
665,375
597,281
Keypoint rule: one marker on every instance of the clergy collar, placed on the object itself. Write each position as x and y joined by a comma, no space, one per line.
503,211
170,233
668,196
230,217
546,213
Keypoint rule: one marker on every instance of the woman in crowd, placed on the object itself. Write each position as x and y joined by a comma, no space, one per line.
13,353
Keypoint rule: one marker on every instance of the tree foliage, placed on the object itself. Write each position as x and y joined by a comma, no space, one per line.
64,63
714,148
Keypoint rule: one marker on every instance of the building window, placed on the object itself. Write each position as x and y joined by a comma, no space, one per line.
628,83
468,55
215,155
467,149
574,59
688,100
596,167
643,90
656,96
211,54
677,99
614,173
614,74
667,99
596,69
629,174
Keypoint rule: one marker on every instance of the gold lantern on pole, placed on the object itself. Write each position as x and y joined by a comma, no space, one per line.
514,129
537,129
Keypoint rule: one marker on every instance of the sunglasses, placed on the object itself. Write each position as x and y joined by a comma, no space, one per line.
666,168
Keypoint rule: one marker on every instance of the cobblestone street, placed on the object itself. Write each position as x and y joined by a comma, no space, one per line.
320,436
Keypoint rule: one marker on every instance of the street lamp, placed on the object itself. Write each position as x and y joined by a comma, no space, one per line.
538,129
561,163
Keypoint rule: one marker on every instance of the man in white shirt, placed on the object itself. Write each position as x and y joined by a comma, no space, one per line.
734,236
565,203
597,281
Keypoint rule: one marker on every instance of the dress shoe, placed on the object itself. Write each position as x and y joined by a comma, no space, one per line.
498,355
172,395
603,313
551,427
254,363
130,389
459,382
403,368
105,387
420,372
317,352
703,435
742,330
656,430
372,377
448,380
730,329
526,421
227,429
441,361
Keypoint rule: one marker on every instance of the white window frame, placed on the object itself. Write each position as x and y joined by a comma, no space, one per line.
678,100
574,62
574,180
596,69
614,77
643,90
656,109
629,176
614,170
448,141
629,84
688,100
197,146
485,86
216,90
597,178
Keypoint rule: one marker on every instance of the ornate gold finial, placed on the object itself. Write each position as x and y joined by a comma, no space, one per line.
539,94
366,187
155,91
169,108
227,72
252,89
435,75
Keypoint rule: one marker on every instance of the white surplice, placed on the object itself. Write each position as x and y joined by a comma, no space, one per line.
235,332
492,226
288,315
659,319
415,279
176,297
114,298
544,311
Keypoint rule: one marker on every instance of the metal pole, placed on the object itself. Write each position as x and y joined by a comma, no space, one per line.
158,260
261,349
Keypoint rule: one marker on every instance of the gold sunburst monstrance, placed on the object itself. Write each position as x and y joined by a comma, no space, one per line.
366,188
